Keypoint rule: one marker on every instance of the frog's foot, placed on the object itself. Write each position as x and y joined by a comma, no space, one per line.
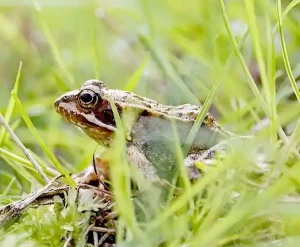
88,176
198,162
96,172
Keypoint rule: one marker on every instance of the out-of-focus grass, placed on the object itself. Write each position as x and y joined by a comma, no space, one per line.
174,52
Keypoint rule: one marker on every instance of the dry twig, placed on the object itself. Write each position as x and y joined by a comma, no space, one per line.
13,210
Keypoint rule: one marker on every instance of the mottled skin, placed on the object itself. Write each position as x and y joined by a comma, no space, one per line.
150,140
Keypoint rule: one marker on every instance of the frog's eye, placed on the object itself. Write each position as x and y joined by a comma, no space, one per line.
88,98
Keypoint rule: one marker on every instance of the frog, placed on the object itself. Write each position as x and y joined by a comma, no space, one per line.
150,141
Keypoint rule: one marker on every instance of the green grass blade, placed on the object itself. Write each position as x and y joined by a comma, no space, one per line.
11,106
168,70
41,142
7,188
54,48
121,177
208,101
285,54
204,110
290,7
285,12
135,78
25,173
182,200
96,56
250,204
271,68
251,16
251,82
11,156
180,159
18,164
239,215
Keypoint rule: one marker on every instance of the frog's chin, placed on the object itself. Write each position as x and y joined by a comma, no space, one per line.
104,138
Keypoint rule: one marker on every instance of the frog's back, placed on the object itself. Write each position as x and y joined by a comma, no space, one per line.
182,113
153,124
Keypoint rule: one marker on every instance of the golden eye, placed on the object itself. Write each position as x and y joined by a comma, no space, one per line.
88,98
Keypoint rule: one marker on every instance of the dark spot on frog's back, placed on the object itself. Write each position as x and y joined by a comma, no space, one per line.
193,115
180,114
145,113
209,121
148,113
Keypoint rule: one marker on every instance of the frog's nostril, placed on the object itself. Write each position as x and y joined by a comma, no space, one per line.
56,103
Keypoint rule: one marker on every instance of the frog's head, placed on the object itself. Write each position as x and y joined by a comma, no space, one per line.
89,109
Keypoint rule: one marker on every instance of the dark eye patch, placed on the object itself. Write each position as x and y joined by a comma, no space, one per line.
105,114
108,117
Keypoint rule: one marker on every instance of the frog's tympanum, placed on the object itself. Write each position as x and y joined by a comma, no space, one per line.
151,141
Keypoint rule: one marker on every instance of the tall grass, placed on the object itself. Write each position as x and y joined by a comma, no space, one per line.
239,59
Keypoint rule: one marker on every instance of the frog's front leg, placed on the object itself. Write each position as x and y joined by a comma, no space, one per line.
137,158
141,163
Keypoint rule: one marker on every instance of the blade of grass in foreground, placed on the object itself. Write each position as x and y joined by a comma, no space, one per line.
135,78
208,101
180,159
250,205
11,106
285,54
121,179
41,142
198,186
238,216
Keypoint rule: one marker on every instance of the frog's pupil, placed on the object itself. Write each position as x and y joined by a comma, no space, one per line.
86,98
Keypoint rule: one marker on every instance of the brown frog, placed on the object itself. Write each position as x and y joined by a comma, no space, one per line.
150,141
